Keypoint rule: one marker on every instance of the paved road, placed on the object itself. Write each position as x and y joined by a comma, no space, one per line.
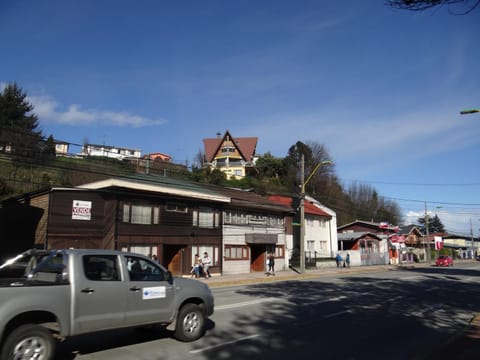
378,314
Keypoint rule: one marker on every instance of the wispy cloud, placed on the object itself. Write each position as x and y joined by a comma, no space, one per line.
49,110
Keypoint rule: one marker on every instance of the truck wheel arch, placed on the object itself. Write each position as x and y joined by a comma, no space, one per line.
33,339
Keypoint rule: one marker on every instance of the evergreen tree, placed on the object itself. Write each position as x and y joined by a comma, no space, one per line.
49,149
435,225
19,134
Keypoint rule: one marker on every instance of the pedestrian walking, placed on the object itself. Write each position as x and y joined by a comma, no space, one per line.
347,260
338,260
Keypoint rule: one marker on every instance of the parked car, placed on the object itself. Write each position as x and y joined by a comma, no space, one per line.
444,260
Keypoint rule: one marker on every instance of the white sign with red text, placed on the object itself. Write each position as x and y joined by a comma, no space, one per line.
81,210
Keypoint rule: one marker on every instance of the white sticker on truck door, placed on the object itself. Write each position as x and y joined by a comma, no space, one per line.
153,293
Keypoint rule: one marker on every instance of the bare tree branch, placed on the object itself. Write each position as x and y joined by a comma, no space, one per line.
421,5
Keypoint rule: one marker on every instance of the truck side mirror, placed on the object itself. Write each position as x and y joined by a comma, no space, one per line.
169,277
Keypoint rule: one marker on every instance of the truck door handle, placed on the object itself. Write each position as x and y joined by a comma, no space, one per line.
135,288
87,290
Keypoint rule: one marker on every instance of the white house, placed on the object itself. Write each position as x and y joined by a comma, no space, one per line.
110,151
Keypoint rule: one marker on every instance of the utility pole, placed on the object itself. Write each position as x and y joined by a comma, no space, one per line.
302,216
471,238
427,232
302,206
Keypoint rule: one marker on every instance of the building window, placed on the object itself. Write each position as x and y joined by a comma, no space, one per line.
142,214
279,250
233,252
258,220
212,251
205,217
176,207
228,149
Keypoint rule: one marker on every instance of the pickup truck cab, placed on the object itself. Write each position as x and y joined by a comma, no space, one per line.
60,293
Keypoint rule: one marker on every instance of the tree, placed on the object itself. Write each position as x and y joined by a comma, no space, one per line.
19,134
435,225
421,5
49,149
270,167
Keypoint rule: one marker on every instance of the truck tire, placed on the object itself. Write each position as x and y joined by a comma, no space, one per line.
29,342
190,323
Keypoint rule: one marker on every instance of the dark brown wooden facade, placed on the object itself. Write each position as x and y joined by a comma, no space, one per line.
173,235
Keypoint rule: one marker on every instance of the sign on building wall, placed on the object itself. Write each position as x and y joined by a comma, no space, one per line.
81,210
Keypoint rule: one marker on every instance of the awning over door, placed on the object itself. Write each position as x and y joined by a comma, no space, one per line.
261,238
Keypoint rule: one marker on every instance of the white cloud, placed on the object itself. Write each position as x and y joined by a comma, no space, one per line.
454,222
48,110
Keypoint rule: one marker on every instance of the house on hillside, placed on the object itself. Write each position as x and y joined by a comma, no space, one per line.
114,152
61,148
158,157
234,156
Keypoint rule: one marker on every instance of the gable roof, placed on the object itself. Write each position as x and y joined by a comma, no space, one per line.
354,236
408,229
245,145
378,227
309,208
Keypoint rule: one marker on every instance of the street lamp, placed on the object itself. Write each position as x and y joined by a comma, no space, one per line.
469,111
302,207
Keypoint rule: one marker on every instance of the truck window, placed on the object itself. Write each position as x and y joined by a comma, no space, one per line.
101,267
140,269
51,268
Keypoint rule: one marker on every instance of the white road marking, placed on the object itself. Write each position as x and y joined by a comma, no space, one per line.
223,344
245,303
337,314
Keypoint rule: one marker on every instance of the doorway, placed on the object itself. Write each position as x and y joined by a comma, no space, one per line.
173,258
258,257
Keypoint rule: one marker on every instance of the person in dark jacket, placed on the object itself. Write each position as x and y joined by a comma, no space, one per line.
271,264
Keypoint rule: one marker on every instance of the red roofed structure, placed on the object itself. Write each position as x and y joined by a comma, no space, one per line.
234,156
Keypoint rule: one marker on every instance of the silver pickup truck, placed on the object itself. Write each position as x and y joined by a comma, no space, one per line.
59,293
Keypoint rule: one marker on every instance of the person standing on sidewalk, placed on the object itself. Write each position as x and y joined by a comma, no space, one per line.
271,264
347,260
206,265
338,259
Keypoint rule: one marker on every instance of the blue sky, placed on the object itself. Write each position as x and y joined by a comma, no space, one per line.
380,88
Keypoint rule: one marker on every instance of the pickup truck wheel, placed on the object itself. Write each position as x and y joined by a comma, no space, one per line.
29,342
190,323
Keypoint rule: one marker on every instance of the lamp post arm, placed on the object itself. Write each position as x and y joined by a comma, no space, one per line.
326,162
469,111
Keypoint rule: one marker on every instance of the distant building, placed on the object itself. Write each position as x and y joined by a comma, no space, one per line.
110,151
158,156
61,148
233,156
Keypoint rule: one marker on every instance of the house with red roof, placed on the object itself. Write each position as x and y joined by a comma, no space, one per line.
320,239
234,156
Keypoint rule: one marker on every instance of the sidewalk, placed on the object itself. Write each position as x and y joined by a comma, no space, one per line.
465,345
